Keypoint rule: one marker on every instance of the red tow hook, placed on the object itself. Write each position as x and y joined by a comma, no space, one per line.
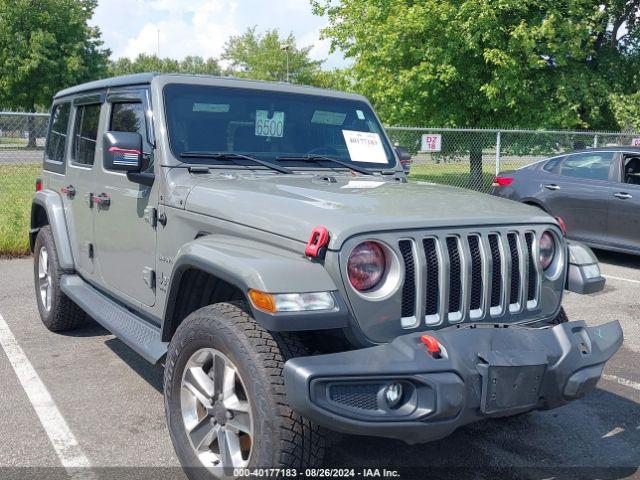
316,246
432,344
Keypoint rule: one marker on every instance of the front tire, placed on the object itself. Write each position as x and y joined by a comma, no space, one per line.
225,400
57,311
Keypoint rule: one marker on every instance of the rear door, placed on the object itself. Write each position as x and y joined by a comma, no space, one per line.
623,223
80,179
578,190
125,233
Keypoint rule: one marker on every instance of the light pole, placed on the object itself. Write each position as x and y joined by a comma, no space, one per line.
286,48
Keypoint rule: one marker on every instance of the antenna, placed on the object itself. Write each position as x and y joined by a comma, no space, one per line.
286,47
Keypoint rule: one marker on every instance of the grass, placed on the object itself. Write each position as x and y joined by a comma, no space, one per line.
13,142
455,174
17,185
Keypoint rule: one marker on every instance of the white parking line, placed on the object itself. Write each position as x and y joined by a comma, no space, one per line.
622,381
621,279
65,444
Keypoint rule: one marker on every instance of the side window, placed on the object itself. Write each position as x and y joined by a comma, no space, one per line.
632,170
127,117
85,134
593,166
552,165
57,138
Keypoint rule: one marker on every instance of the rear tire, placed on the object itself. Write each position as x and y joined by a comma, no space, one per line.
278,437
57,311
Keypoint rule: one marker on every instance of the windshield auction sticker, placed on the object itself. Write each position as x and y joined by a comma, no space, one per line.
269,126
364,147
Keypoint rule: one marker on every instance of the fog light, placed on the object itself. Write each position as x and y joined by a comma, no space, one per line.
393,394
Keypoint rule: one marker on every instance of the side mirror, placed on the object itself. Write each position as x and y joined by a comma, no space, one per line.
405,158
584,272
403,153
122,151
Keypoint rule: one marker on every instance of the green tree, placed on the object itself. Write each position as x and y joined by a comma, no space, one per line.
484,63
263,56
626,109
521,63
152,63
46,45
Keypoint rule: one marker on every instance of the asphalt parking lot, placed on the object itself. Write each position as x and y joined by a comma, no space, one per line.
110,401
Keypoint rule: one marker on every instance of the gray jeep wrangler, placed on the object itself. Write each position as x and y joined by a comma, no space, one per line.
263,242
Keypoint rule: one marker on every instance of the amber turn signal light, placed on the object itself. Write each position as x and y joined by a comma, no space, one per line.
263,301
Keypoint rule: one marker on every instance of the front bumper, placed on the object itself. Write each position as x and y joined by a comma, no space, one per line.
482,371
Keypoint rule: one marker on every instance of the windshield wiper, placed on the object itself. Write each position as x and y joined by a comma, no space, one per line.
318,158
234,156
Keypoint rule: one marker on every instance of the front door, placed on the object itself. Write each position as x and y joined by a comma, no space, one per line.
623,225
579,193
124,230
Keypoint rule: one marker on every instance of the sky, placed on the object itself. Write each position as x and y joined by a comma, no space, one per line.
201,27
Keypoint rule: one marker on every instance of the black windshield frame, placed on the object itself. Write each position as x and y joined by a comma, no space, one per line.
225,117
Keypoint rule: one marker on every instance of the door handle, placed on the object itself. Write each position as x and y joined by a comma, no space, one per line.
101,200
552,186
622,195
69,191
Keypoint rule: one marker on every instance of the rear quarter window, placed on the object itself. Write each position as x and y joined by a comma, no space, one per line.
57,137
552,165
85,134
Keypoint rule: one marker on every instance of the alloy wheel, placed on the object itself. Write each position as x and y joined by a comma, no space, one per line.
215,410
44,279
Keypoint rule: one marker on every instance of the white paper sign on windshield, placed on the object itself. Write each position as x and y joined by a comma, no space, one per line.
269,126
364,147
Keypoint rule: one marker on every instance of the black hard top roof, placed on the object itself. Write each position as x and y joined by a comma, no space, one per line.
121,81
146,78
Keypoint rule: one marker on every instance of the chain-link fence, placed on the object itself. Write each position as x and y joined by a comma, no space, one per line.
22,138
468,158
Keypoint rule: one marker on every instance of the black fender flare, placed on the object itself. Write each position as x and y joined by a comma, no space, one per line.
51,202
247,264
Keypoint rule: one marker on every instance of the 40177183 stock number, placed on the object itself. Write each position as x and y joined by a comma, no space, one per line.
293,473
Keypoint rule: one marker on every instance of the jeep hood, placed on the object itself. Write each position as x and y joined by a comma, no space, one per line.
293,205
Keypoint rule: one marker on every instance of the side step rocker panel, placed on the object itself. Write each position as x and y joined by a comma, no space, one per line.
138,334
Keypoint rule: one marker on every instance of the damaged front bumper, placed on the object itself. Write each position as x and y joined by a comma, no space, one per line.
401,390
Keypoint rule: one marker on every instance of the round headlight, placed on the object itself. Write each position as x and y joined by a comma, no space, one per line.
547,250
366,266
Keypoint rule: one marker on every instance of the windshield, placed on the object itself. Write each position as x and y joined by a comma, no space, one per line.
274,126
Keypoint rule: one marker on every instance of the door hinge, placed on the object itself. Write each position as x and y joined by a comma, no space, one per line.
151,216
149,276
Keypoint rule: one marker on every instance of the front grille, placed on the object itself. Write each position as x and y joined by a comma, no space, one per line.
496,277
515,268
455,275
433,274
409,287
476,273
485,275
533,277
